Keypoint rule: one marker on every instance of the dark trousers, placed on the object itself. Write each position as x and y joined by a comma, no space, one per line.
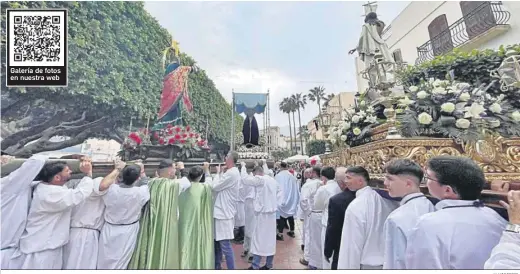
335,257
283,221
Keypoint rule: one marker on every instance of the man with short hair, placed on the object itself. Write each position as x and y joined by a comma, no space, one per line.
159,221
462,232
338,204
289,206
225,191
196,222
48,222
402,179
321,203
362,237
308,192
87,220
269,197
315,222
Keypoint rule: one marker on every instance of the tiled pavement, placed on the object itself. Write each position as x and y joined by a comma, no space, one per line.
288,252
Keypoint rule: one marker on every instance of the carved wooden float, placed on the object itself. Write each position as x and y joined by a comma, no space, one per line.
498,157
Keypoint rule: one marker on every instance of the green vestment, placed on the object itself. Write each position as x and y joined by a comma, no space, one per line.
196,227
158,240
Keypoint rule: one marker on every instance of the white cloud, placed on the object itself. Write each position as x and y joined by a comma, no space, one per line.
286,47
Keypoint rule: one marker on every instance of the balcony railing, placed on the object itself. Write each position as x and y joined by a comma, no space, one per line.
473,24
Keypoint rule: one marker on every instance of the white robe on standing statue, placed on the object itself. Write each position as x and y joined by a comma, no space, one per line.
119,233
16,198
362,238
225,197
321,203
308,191
48,225
81,252
456,236
269,197
291,192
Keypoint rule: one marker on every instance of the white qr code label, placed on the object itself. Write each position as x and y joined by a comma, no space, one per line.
36,48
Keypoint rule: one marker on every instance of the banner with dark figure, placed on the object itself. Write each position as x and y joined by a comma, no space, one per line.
250,131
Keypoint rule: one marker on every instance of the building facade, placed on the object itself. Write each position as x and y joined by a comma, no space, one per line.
331,114
424,30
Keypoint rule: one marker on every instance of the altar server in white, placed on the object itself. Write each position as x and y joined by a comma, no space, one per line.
81,252
225,193
269,198
291,192
321,203
402,179
462,232
308,192
250,223
16,197
48,222
123,205
506,255
362,237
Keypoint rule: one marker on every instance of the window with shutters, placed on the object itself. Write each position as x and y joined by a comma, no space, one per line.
478,17
440,35
398,57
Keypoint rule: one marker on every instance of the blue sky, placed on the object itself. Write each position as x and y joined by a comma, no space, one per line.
286,47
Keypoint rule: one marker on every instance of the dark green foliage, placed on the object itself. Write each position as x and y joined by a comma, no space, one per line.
316,147
115,73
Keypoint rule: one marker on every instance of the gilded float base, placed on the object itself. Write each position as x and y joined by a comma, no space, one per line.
498,157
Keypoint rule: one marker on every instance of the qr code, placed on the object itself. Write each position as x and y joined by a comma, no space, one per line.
37,37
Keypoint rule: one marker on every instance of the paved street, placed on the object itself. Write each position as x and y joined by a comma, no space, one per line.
288,253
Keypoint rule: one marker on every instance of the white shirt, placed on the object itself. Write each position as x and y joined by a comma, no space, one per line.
225,191
506,255
308,192
89,213
321,200
290,191
48,222
398,226
124,204
362,237
269,193
16,197
454,237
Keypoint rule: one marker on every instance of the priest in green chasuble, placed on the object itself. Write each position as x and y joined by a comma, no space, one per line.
196,223
158,240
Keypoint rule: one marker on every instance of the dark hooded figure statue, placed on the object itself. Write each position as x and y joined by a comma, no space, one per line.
250,130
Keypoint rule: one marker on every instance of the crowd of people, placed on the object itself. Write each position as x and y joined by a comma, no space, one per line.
188,218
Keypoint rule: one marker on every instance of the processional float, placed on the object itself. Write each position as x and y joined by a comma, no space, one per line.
251,144
373,144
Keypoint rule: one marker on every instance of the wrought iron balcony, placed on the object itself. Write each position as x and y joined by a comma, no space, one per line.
478,24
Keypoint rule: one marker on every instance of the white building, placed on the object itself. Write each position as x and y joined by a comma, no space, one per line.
101,150
424,30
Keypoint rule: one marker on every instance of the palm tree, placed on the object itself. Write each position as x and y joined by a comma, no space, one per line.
300,101
286,108
328,98
316,95
292,106
305,133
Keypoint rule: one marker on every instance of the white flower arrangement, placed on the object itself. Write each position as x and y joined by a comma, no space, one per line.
455,109
355,119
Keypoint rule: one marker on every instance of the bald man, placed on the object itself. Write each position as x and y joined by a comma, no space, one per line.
337,206
321,202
